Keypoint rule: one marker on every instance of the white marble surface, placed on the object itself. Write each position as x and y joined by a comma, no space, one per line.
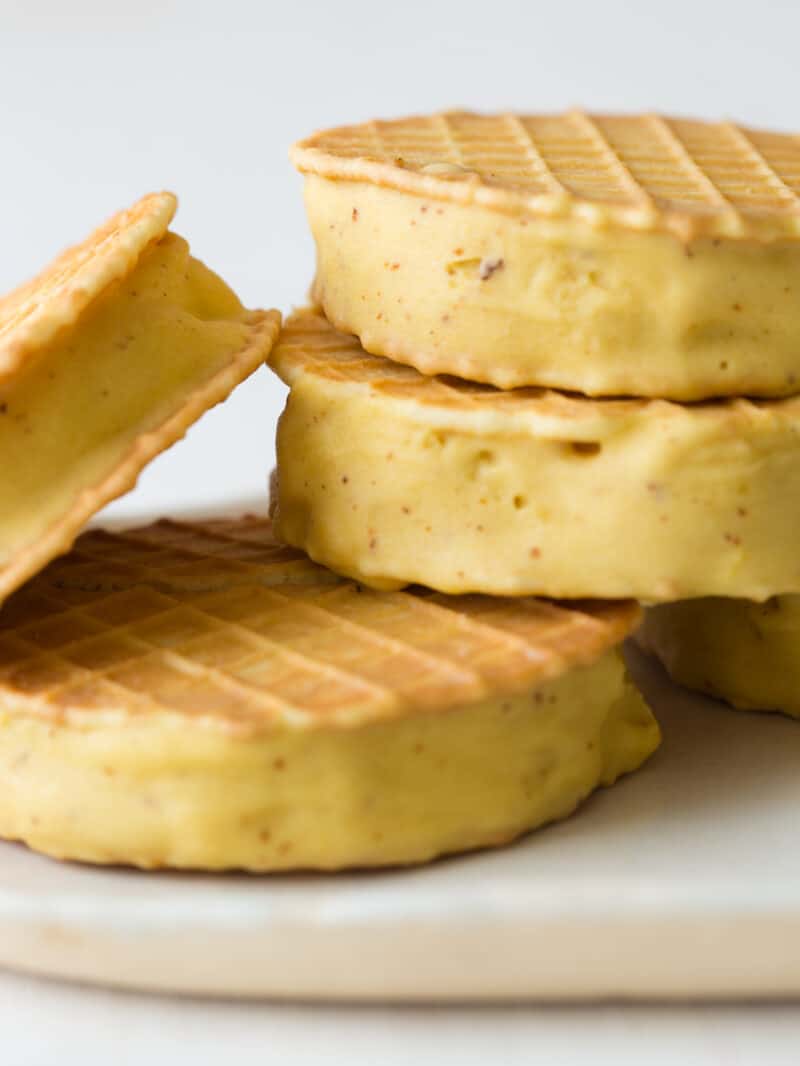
44,1024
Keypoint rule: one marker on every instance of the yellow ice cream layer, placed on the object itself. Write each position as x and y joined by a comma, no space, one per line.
158,789
511,299
394,479
746,653
72,416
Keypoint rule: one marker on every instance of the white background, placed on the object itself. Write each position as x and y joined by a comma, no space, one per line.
102,101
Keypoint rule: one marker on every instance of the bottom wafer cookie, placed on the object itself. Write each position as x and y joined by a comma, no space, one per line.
743,652
198,696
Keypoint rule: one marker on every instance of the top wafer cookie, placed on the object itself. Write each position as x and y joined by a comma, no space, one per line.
641,171
605,254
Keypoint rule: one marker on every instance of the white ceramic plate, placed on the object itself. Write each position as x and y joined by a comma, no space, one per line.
683,880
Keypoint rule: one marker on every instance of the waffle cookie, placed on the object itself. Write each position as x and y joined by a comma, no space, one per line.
195,695
745,653
394,478
106,358
605,254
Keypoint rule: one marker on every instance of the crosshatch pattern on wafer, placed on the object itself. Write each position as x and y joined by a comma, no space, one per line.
216,620
34,313
309,344
643,171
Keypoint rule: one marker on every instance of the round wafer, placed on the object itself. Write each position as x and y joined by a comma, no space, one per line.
195,695
605,254
395,478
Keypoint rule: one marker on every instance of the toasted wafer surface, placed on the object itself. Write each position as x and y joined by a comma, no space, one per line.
195,694
34,313
223,616
604,254
105,360
642,171
745,653
396,478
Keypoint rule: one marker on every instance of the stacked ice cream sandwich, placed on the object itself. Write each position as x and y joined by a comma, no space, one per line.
557,355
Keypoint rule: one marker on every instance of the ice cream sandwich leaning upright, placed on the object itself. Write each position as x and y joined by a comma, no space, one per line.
106,358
